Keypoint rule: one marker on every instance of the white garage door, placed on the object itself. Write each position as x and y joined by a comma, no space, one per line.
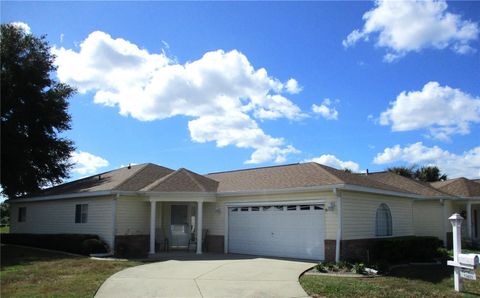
295,231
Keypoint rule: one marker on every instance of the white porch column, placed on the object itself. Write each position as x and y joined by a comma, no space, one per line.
469,220
153,209
199,226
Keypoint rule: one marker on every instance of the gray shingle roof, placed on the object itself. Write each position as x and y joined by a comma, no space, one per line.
406,184
151,177
291,176
128,179
461,187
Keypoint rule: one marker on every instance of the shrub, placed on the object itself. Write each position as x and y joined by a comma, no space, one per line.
406,249
359,268
65,242
93,246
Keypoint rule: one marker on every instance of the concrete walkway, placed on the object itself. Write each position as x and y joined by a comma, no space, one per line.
227,277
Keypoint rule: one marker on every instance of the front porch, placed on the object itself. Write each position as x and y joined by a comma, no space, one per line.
177,225
470,211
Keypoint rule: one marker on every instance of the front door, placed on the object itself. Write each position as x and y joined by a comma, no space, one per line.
179,227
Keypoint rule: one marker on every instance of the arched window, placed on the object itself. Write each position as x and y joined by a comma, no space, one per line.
383,223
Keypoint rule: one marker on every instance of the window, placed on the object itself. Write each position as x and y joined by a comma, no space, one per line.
244,209
383,224
304,207
291,208
81,213
234,209
317,207
22,214
255,208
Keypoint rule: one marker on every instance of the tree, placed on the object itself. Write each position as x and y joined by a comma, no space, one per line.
403,171
429,174
33,114
425,173
4,213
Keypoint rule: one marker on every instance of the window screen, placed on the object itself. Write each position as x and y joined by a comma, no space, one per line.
383,226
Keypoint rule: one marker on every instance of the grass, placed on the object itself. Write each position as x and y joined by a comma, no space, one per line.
28,272
4,229
413,281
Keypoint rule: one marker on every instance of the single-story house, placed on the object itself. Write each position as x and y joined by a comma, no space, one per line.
305,210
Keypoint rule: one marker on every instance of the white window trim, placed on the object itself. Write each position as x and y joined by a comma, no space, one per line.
391,221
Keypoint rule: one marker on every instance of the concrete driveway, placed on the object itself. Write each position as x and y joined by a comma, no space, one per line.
232,277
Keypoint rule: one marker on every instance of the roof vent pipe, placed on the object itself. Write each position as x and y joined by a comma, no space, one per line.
366,173
129,166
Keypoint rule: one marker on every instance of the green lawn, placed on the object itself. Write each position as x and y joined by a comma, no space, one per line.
4,229
415,281
29,272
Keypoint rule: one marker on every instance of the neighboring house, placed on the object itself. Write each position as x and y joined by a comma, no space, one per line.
306,210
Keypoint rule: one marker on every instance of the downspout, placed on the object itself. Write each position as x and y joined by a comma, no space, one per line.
339,224
444,218
114,222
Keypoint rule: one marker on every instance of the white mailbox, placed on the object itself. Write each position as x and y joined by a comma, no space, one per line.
469,261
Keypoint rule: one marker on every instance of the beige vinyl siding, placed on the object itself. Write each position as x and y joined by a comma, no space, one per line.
359,214
133,216
428,218
58,217
214,213
214,218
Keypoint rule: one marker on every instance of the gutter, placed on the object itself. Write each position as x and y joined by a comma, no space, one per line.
330,187
113,193
220,195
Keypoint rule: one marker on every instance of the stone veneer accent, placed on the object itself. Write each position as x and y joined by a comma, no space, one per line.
215,243
359,249
132,245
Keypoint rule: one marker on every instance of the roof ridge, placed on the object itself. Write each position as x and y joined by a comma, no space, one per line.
158,181
144,166
252,169
189,174
323,167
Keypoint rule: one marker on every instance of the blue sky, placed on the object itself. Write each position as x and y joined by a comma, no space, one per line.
215,86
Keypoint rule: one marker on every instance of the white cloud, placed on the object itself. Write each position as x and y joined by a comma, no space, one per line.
466,164
23,26
332,161
444,111
86,163
325,110
222,91
413,25
292,86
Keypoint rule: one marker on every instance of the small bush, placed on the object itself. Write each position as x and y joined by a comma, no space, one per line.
93,246
342,266
65,242
359,268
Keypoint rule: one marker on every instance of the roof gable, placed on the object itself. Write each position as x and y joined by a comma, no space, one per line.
145,176
183,180
461,187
